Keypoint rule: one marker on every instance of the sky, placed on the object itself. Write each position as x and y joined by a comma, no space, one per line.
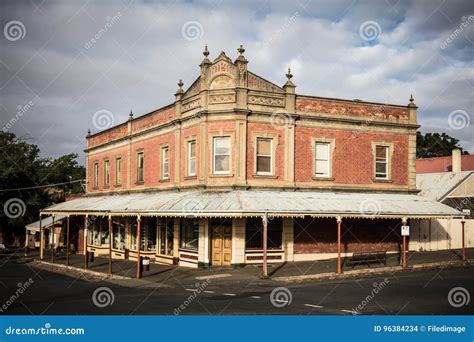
70,66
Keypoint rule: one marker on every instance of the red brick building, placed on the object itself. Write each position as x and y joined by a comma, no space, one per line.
236,157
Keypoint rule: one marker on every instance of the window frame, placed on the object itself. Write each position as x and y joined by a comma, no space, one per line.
140,155
271,156
317,158
118,170
191,158
106,172
331,142
386,162
193,223
228,172
165,175
96,175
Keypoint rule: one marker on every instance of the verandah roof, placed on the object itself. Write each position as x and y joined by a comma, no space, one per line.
241,203
46,222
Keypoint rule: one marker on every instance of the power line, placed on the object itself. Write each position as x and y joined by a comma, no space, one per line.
42,186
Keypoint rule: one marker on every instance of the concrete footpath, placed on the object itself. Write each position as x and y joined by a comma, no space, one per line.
169,275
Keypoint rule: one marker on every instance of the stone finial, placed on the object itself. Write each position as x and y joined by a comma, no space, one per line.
412,103
289,83
88,133
180,89
205,61
130,116
241,57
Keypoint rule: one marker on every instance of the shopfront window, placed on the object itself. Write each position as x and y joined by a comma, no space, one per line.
165,236
99,227
147,234
189,234
118,231
254,233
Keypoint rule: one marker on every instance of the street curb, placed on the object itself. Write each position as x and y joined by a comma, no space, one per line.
72,268
348,274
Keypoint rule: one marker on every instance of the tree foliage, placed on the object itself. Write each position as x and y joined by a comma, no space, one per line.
433,145
21,166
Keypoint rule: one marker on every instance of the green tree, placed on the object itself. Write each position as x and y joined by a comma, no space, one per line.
23,176
436,145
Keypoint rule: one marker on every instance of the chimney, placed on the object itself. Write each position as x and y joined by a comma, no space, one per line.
456,160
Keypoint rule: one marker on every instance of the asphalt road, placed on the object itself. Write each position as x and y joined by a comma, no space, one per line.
416,292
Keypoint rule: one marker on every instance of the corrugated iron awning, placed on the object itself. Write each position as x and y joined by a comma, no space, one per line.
241,203
45,223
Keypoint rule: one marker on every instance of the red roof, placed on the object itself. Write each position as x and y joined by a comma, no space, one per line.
443,164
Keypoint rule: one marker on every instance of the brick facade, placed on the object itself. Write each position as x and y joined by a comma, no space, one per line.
228,100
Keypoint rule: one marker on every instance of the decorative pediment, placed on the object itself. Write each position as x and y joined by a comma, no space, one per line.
193,89
258,83
222,82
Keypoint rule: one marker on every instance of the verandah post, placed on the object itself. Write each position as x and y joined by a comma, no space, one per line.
67,241
404,255
41,238
264,245
52,241
463,250
86,259
110,244
339,265
138,246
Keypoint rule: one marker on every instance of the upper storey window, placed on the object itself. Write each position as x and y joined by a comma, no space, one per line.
382,162
106,173
192,158
96,175
140,167
165,162
118,171
264,156
221,158
322,159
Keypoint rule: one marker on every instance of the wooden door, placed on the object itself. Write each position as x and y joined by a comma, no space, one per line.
221,245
